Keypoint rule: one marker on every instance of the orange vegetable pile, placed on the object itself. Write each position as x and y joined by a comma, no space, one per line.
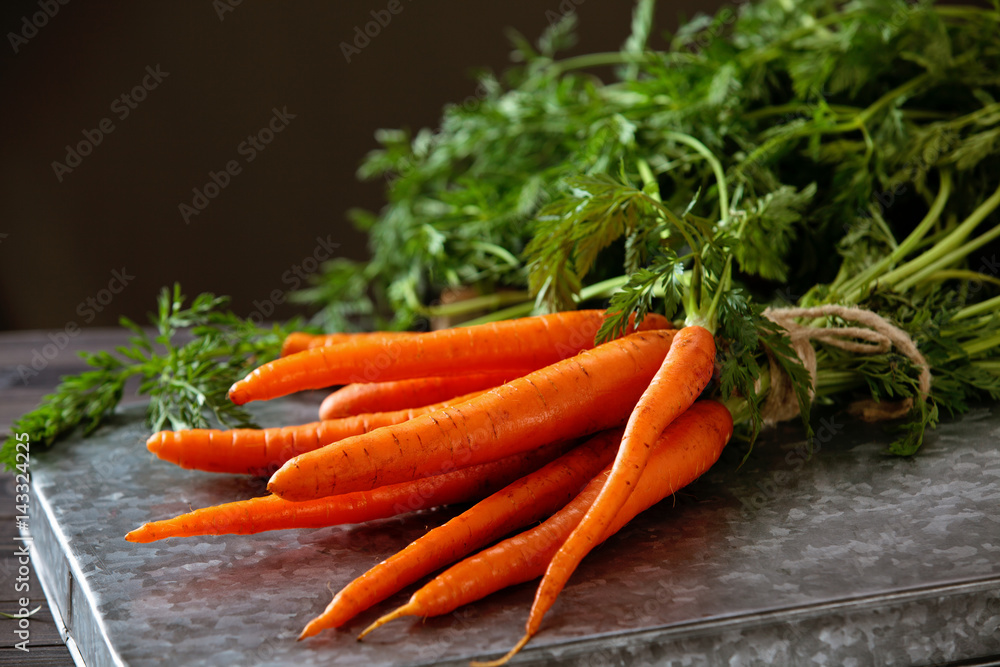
518,415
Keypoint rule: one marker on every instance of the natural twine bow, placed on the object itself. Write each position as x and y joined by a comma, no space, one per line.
879,336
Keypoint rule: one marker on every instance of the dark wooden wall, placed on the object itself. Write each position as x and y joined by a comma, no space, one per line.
223,67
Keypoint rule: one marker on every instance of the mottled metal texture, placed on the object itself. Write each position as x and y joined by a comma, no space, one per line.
849,558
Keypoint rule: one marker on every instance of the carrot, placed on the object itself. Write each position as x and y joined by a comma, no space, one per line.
589,392
685,372
523,502
297,341
247,517
251,451
383,396
685,450
530,342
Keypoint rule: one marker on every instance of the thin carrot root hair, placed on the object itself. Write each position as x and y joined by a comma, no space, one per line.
506,658
399,612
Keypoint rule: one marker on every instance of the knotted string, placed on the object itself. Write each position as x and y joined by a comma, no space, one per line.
877,335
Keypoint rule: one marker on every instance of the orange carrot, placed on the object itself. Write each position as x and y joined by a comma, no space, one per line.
530,342
686,371
298,341
685,450
246,517
383,396
523,502
594,390
252,451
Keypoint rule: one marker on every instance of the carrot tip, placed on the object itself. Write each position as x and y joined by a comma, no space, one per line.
138,535
313,627
505,659
237,394
155,442
401,611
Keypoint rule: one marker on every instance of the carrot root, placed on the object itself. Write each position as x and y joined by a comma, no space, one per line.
589,392
405,610
531,342
260,452
361,398
506,658
685,372
685,450
256,515
524,501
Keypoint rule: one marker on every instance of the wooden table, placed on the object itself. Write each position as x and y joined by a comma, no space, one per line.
31,363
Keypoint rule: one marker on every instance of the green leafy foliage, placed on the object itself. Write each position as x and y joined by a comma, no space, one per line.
662,278
769,227
777,148
806,105
186,368
574,229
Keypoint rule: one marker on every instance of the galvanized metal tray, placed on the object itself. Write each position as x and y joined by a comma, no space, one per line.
850,557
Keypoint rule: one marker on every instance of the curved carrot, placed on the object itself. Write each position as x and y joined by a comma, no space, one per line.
530,342
246,517
594,390
685,450
297,341
686,371
252,451
383,396
523,502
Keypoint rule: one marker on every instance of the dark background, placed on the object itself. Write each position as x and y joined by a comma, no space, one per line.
60,242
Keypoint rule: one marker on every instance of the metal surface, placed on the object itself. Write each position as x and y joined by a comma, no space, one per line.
850,557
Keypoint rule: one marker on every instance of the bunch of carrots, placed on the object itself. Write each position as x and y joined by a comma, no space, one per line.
518,415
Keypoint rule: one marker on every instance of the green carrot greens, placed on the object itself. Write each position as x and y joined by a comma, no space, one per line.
776,154
185,368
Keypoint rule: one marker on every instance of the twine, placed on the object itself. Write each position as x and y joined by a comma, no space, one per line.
877,335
